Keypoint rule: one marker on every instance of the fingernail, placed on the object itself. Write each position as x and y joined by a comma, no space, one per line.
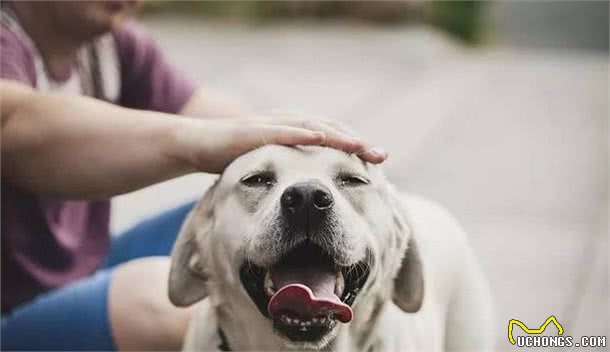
380,152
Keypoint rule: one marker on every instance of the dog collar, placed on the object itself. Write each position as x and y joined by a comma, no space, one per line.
224,343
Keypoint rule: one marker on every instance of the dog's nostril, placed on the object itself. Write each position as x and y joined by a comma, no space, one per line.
322,200
291,199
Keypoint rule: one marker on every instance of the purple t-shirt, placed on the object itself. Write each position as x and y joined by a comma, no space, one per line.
47,242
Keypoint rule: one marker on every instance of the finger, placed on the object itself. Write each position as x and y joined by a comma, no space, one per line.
340,126
335,138
373,155
298,119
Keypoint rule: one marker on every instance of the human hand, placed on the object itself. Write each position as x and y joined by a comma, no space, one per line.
211,145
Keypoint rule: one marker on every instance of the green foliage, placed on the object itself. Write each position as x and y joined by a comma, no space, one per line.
461,18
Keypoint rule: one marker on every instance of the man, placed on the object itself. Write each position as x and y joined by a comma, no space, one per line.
54,210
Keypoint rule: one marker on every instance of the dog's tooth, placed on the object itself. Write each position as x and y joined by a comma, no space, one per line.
314,320
269,284
288,320
308,323
340,283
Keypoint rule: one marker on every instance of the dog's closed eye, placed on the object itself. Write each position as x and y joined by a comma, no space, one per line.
259,179
351,180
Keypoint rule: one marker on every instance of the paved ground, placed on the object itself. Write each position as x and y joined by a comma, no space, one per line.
512,141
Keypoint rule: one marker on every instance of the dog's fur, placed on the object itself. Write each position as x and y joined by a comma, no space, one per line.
425,291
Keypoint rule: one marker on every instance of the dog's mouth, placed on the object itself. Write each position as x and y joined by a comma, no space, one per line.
305,293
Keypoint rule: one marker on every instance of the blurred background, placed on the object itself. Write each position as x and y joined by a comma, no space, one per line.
498,110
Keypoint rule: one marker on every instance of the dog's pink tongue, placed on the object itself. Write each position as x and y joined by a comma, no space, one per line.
308,293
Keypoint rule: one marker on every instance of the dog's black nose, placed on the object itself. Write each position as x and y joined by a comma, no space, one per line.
306,201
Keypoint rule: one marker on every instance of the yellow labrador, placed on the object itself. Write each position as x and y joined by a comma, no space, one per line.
312,249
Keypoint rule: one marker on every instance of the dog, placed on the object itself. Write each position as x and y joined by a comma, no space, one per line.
309,248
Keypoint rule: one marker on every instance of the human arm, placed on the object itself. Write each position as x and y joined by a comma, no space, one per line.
77,147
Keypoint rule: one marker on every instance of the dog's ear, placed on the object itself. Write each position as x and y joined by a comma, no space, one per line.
408,292
187,276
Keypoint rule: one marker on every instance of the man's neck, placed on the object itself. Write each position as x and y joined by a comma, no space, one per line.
57,50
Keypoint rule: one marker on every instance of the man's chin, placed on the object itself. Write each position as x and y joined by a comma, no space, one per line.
118,19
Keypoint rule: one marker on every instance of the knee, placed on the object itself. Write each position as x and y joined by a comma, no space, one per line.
141,315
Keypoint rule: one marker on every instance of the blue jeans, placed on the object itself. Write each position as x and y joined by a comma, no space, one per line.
75,317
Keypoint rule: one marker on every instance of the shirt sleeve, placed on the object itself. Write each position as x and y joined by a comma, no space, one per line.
148,81
16,61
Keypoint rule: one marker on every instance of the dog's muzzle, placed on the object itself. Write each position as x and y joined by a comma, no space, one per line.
305,291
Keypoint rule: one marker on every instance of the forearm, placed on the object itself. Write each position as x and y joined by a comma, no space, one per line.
77,147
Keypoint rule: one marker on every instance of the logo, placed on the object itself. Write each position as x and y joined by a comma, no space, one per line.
534,337
527,330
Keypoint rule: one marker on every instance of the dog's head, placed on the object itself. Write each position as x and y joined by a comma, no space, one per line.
298,236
